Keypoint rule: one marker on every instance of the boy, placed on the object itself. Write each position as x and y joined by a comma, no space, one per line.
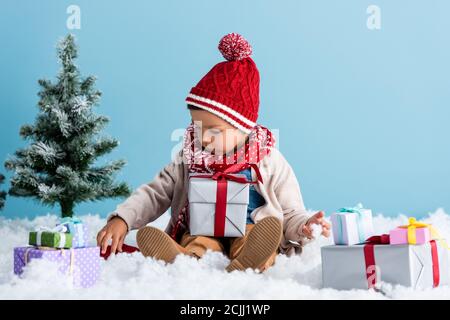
223,137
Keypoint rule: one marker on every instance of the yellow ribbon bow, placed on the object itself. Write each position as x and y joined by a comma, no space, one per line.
413,224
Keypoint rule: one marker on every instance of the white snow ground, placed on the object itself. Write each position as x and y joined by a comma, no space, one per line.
134,277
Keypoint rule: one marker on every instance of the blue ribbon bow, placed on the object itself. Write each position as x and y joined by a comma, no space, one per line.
74,220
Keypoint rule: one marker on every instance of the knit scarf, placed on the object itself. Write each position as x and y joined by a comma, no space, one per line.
258,145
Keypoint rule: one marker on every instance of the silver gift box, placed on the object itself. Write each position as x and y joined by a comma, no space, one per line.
344,268
202,206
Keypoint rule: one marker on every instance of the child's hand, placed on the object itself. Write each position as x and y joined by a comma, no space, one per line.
317,219
116,229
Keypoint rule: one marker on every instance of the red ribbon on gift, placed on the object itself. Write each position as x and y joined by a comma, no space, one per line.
222,178
435,259
369,257
125,249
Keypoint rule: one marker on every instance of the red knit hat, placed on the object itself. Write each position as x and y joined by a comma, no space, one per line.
230,89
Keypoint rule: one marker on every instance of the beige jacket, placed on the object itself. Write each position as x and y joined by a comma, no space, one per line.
279,189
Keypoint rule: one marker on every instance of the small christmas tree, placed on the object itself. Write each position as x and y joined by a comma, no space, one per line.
58,166
2,193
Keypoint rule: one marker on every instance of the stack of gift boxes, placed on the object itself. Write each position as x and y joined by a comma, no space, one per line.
413,255
67,244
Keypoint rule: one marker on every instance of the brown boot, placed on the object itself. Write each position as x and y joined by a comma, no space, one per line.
155,243
262,241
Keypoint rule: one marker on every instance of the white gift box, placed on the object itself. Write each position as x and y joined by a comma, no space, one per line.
352,225
344,267
202,196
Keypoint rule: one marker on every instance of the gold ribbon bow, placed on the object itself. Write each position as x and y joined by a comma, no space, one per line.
413,224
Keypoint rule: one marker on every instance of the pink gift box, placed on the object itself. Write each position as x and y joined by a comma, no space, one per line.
400,236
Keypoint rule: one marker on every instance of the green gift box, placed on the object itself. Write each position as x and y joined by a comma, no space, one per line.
50,239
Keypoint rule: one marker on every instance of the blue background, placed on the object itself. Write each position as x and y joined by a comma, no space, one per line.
362,115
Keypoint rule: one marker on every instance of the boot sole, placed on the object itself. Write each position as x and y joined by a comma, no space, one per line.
263,240
153,242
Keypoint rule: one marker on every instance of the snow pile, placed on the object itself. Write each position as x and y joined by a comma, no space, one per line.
135,277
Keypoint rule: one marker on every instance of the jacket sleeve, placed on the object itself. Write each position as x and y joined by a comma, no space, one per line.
151,200
289,196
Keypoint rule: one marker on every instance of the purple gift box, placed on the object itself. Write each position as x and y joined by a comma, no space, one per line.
81,263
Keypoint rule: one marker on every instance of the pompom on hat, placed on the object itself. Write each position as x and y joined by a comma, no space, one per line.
230,89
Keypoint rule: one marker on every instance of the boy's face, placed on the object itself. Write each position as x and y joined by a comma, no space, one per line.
217,135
